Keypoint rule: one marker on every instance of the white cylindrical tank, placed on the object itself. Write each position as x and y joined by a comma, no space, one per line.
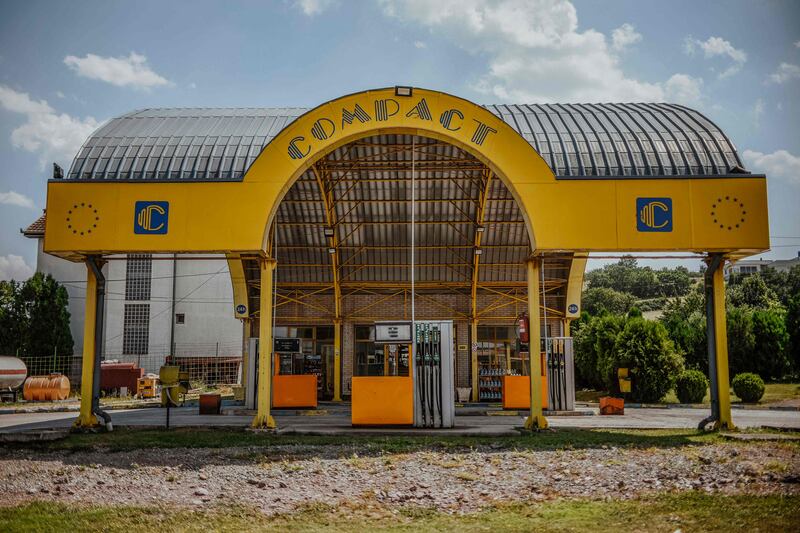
12,372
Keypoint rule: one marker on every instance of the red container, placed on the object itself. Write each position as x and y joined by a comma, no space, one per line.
114,376
210,404
612,406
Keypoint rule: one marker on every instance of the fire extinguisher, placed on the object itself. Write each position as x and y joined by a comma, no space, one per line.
523,328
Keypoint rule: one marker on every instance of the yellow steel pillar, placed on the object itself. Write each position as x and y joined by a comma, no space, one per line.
721,339
337,360
263,418
508,357
87,419
474,350
536,419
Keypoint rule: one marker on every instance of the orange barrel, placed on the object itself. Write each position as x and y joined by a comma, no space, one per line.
46,388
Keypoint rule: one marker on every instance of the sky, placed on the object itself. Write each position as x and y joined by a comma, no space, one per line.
66,67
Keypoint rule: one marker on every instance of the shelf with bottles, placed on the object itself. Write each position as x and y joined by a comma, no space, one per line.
490,382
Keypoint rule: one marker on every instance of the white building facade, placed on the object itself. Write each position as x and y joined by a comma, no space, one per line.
155,305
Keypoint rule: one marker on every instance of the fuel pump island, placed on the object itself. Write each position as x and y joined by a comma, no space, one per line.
416,386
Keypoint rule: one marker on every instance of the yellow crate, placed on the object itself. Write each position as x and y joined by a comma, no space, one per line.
147,387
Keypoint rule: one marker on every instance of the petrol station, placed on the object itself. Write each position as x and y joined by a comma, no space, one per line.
406,245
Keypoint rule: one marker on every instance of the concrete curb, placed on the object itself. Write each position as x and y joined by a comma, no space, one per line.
76,408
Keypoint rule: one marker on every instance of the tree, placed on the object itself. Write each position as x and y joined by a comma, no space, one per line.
594,342
793,330
643,346
626,276
46,303
741,341
12,320
776,281
685,321
752,292
608,328
770,358
598,299
674,281
34,322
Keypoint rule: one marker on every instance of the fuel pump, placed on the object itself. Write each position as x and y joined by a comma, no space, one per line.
419,356
433,379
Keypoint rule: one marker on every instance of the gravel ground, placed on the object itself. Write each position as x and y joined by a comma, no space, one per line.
292,476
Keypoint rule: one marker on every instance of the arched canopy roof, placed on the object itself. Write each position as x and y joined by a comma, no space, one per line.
576,141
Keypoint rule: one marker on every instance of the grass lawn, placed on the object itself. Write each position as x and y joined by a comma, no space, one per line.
773,392
132,439
690,511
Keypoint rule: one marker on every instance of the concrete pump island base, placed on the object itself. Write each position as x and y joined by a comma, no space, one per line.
321,214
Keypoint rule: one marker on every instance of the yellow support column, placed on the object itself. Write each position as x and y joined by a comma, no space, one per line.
721,337
474,350
536,419
337,360
87,419
263,418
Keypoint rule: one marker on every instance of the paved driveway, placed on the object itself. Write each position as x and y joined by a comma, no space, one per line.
338,420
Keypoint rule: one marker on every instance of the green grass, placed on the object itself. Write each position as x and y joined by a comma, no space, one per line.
132,439
775,392
688,511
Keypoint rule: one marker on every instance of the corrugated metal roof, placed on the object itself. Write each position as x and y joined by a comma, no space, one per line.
576,140
370,186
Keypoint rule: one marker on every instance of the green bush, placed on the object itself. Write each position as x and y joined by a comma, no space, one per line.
691,386
594,339
608,327
748,387
644,347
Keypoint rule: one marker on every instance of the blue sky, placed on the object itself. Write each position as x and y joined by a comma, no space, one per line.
67,66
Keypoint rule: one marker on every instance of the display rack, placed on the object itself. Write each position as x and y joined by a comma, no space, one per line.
490,388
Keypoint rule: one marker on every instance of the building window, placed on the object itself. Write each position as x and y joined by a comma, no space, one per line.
378,359
180,318
136,329
497,347
138,272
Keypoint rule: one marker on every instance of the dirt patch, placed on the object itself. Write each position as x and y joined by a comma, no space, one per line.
288,477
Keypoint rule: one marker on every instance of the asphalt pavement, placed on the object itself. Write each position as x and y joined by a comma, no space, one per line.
336,420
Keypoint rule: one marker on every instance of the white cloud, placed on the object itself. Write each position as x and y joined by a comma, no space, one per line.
779,164
193,85
52,135
718,47
797,44
624,36
14,267
533,48
130,71
420,44
21,102
758,111
784,73
313,7
15,198
684,89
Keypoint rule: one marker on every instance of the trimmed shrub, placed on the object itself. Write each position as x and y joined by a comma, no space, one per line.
690,387
644,347
748,387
